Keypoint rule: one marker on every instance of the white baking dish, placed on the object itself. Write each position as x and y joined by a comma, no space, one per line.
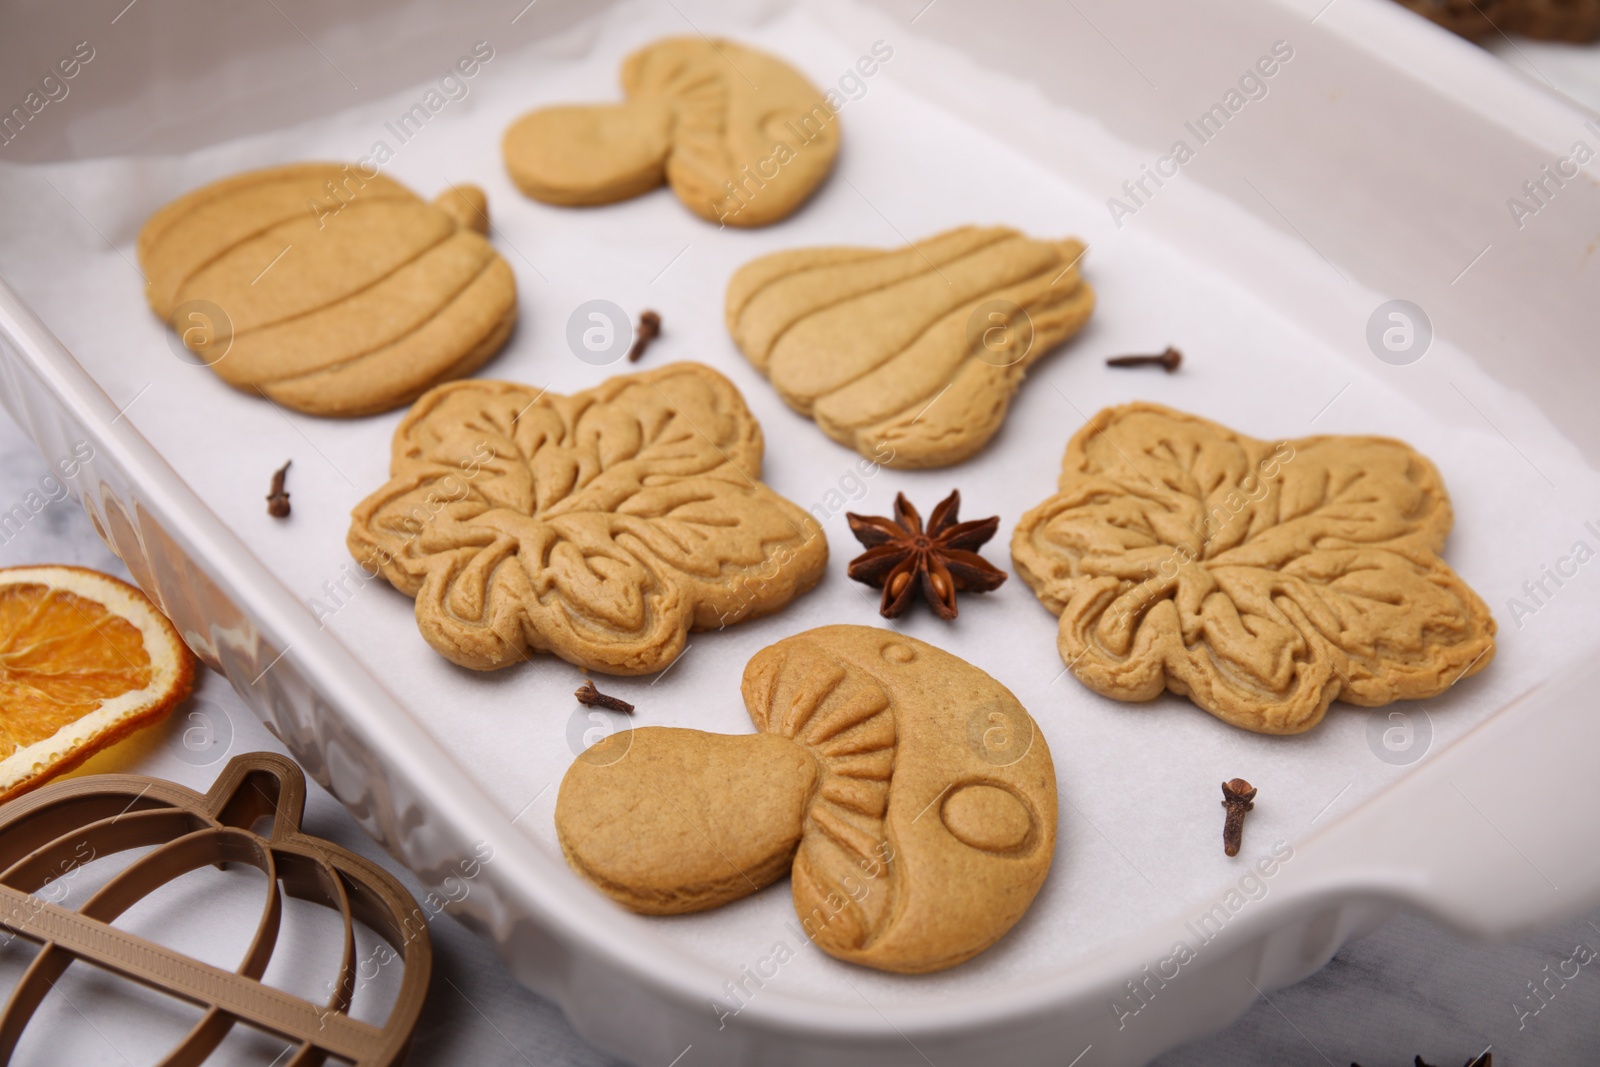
1381,171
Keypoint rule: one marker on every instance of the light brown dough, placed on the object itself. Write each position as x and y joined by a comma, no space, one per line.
1261,580
909,795
909,356
602,526
742,137
328,291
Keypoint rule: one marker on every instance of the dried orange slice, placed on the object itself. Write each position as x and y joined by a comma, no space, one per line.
85,659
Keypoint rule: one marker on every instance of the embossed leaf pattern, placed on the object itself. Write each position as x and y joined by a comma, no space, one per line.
602,526
1262,580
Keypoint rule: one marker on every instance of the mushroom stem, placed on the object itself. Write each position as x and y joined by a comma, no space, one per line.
667,821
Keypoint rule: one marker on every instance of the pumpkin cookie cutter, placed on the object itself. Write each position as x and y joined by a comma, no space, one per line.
44,833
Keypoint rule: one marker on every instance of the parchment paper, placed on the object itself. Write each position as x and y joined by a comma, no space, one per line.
1140,818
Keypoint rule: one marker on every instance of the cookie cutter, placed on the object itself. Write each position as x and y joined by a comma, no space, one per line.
43,833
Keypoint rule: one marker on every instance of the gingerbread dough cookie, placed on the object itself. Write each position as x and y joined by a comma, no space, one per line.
1261,580
909,356
740,136
910,797
328,291
602,526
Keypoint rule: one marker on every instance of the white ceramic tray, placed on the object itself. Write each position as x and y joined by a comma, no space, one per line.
1375,164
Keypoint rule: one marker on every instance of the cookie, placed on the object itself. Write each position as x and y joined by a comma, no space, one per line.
1575,21
326,290
741,137
1262,580
602,526
909,356
909,796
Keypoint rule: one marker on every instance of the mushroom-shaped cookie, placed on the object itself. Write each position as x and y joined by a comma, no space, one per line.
909,795
1261,580
910,356
328,289
742,137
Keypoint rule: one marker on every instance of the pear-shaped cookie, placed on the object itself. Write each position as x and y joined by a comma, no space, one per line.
742,137
908,794
329,291
910,356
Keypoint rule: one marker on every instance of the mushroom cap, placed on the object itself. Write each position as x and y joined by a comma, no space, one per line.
933,824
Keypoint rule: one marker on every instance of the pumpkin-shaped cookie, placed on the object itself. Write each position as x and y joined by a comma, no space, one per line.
329,291
909,795
910,356
742,137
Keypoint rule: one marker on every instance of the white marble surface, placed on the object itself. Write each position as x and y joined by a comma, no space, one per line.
1410,988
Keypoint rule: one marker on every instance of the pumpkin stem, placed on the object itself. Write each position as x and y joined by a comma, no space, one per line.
468,205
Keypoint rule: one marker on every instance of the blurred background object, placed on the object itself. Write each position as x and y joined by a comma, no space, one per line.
1577,21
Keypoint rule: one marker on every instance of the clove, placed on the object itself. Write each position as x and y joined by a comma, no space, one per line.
1168,360
278,496
649,330
591,697
1238,797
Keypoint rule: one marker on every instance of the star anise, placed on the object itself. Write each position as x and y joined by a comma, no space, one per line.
943,561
